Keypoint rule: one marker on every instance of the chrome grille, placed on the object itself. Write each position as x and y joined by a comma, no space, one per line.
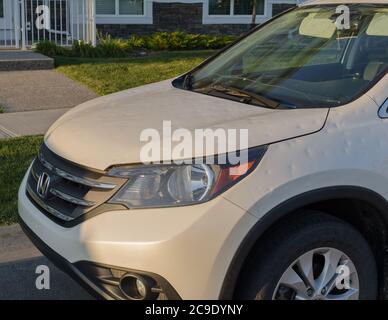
73,191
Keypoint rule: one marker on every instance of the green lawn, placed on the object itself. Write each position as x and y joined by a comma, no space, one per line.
106,76
15,156
102,75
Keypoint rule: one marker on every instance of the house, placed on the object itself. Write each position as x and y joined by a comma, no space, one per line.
25,22
120,18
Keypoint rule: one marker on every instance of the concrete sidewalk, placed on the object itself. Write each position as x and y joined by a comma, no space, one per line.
33,100
28,123
40,90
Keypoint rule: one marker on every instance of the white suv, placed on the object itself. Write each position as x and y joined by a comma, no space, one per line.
307,220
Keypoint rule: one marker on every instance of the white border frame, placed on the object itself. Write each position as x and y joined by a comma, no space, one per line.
235,19
147,17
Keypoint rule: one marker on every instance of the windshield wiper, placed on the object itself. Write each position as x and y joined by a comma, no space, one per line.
188,81
245,96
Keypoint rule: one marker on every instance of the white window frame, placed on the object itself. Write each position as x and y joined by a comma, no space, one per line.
147,17
235,18
117,18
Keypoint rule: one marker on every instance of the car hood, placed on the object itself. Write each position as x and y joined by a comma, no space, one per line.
106,131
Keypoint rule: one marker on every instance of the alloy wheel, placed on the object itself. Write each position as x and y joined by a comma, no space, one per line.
320,274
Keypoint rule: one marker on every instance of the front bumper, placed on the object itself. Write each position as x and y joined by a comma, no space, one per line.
189,249
62,263
91,276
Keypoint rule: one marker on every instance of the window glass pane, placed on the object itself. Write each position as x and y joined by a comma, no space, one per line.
105,6
1,9
219,7
131,7
244,7
302,59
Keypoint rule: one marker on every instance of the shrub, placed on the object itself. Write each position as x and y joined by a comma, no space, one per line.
178,41
113,48
182,41
136,43
108,47
50,49
83,49
157,41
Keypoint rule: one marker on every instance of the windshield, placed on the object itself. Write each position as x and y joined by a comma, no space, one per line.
309,57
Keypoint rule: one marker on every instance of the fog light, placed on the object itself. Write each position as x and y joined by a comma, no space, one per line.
141,288
136,287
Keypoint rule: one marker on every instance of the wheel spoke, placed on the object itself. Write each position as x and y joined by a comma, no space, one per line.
305,266
329,271
292,280
339,278
352,269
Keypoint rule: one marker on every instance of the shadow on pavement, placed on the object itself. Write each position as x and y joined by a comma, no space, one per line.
17,282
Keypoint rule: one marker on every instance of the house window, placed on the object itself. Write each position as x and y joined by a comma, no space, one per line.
120,7
219,7
106,6
235,7
1,8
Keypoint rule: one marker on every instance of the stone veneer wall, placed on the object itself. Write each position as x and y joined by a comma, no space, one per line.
185,17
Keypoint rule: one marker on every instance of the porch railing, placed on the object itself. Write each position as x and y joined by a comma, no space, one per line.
26,22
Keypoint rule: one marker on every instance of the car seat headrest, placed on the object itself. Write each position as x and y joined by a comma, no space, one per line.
372,69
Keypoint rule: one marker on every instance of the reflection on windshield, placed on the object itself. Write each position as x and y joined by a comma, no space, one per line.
302,59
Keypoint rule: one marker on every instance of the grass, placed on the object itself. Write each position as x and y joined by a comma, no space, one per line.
106,76
16,155
1,109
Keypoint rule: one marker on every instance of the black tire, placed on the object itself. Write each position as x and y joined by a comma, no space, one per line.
311,230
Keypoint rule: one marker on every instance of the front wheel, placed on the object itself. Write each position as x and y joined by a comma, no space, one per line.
313,257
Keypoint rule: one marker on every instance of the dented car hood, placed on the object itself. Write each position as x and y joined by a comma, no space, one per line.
106,131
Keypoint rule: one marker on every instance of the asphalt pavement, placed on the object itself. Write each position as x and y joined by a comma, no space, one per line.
18,282
19,262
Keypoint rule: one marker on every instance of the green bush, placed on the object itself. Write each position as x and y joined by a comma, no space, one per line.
50,49
84,49
136,43
182,41
112,48
178,41
108,47
158,41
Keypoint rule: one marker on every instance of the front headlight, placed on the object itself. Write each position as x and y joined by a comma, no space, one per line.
168,185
